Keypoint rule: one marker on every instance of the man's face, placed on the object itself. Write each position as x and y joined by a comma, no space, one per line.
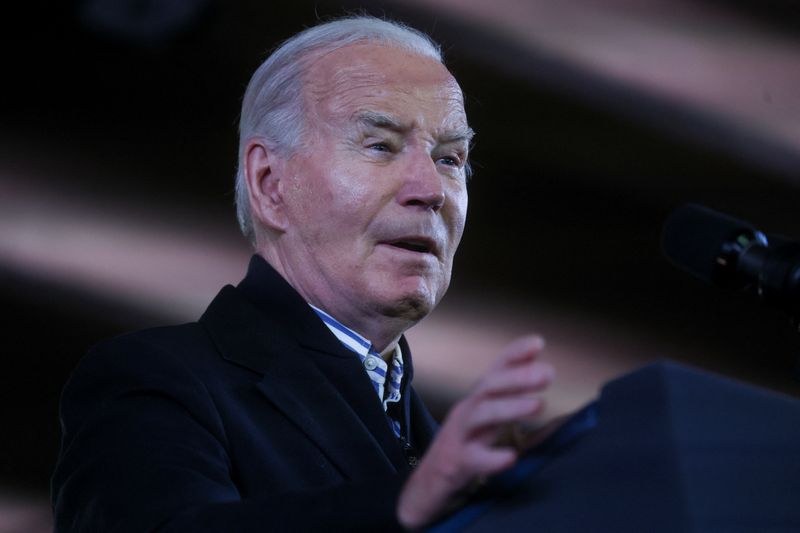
376,197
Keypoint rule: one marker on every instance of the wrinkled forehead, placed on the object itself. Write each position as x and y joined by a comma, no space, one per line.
364,77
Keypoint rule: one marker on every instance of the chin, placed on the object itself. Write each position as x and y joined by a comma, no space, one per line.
408,296
411,309
412,305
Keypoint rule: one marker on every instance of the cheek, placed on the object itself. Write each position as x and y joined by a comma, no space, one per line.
302,202
356,196
351,184
312,194
331,210
350,194
459,215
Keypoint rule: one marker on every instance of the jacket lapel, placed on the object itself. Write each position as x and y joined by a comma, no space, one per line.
318,384
422,426
325,416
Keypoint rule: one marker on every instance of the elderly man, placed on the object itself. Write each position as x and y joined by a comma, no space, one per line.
288,406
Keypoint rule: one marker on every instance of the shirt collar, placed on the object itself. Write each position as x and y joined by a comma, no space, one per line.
351,339
386,378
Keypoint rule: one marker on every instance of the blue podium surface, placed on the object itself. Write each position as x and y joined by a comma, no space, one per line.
665,449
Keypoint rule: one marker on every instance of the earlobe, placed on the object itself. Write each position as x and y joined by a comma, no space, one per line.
262,169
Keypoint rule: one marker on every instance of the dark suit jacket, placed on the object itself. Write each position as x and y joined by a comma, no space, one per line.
255,418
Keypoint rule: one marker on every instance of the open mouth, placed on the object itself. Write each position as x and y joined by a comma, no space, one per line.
414,245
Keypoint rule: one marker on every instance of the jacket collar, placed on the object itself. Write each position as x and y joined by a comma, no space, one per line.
264,325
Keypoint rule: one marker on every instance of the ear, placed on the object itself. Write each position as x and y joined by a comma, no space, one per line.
263,170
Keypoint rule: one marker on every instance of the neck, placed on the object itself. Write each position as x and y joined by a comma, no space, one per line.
381,329
378,331
388,354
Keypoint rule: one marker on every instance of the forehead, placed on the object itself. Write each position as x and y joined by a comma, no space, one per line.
346,83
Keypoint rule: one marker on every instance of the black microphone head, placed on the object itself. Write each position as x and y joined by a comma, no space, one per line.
707,244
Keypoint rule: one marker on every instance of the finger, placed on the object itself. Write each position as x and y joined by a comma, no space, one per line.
523,348
532,377
519,351
485,461
493,412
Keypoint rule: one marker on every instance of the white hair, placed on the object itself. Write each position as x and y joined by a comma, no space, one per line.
273,106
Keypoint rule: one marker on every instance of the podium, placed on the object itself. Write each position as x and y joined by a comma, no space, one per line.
665,449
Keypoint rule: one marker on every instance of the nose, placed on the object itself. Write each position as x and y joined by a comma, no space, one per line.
422,186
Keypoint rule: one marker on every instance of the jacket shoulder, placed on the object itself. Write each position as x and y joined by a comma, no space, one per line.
170,361
174,339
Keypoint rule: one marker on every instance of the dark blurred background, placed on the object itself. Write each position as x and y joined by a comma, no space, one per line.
595,120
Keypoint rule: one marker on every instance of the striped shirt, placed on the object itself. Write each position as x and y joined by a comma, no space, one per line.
386,382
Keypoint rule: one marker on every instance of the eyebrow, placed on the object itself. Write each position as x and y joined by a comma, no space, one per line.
379,120
376,119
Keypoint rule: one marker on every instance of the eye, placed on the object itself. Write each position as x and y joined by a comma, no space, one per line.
380,147
453,160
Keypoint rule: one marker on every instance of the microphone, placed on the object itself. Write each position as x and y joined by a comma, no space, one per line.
733,254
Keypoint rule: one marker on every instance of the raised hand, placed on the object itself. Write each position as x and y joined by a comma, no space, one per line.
477,437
